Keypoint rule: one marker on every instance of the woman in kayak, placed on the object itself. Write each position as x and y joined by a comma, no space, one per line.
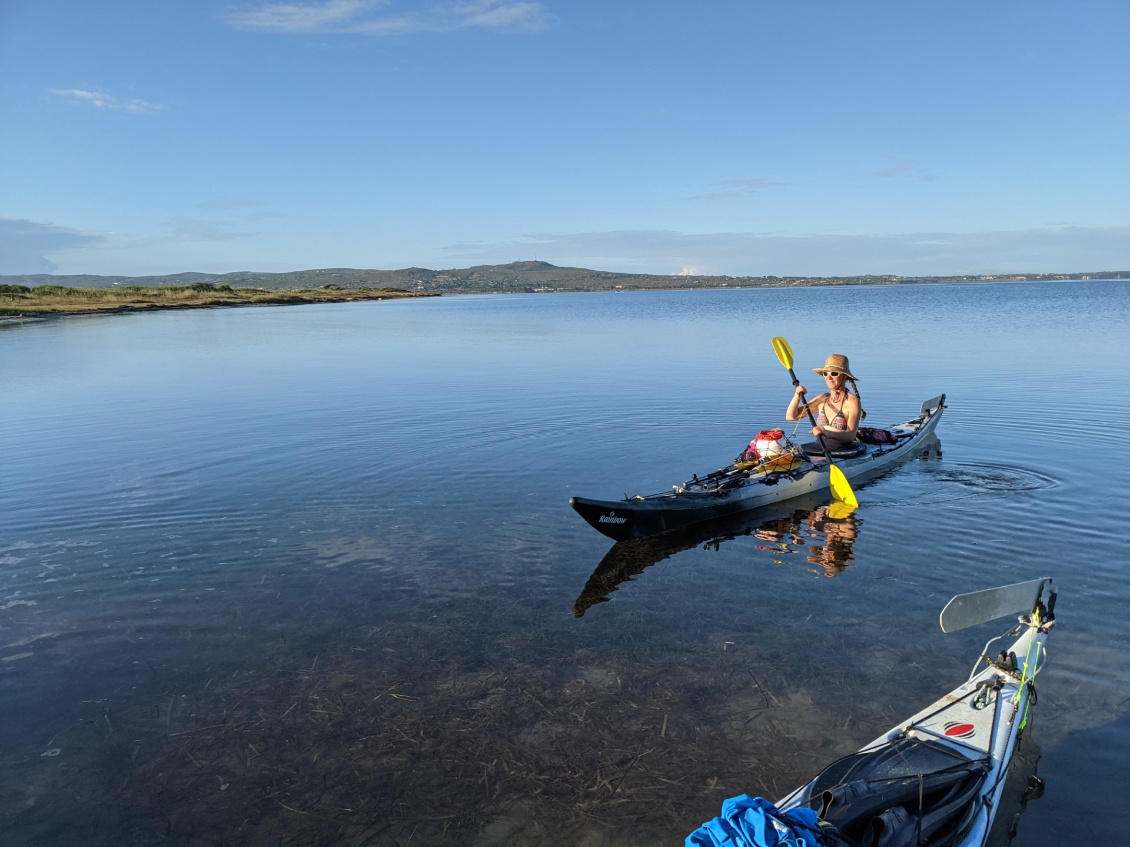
837,410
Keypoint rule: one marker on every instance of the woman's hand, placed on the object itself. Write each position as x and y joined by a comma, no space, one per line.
795,409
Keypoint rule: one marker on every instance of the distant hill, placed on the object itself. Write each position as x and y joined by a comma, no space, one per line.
482,279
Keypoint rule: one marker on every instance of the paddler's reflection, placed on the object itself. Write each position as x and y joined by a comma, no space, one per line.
824,534
833,526
836,553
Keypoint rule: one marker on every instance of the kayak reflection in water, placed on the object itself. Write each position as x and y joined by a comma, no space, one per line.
825,534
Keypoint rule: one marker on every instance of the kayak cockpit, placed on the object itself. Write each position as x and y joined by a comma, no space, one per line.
911,791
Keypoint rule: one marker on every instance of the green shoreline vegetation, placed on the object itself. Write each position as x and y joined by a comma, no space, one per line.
23,301
43,295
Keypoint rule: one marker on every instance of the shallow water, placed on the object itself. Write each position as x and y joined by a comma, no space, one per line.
308,574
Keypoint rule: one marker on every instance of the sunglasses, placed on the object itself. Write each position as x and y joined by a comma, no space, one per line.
832,374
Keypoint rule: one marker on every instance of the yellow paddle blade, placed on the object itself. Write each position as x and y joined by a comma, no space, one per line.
841,488
784,351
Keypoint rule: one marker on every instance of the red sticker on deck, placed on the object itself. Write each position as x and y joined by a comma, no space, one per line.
960,730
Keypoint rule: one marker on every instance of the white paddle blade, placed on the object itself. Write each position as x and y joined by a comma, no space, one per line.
967,610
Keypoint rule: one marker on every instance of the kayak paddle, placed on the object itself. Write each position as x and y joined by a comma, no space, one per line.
841,488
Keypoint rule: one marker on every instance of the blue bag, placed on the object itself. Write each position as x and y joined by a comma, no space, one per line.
755,822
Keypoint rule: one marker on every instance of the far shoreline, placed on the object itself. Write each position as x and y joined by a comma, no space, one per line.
515,277
64,302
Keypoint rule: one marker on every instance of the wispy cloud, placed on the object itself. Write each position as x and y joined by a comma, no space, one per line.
29,247
900,167
186,231
232,204
738,188
328,16
894,170
102,100
194,230
1061,249
384,17
25,245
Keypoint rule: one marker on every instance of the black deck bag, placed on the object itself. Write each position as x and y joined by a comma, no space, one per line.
872,798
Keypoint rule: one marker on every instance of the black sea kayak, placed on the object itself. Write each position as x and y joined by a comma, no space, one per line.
741,487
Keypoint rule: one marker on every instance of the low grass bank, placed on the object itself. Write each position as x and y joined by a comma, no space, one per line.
20,301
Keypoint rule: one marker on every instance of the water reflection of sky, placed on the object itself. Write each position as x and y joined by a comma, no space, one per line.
324,557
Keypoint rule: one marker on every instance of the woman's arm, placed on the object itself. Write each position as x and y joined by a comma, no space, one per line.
795,410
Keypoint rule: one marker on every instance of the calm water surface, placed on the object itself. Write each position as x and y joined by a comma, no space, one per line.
308,575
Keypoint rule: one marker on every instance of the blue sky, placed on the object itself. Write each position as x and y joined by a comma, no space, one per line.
751,137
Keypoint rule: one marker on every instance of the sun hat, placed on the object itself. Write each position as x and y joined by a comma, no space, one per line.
836,362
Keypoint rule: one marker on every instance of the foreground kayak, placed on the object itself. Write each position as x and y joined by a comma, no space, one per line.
739,488
934,780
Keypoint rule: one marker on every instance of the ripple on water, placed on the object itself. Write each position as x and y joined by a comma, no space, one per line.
934,482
